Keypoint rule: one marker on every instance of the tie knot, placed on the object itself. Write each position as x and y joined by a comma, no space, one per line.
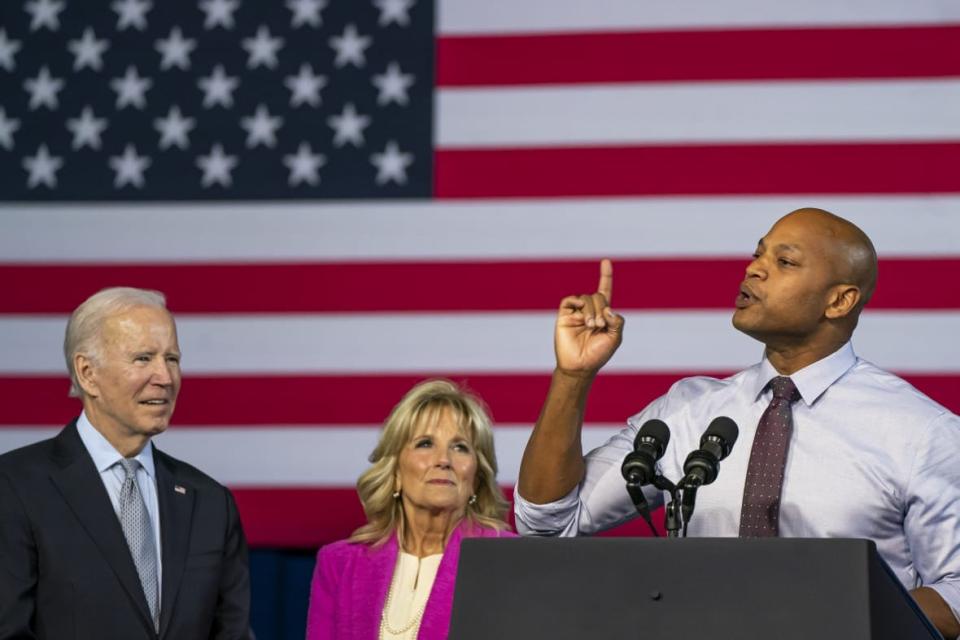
129,465
784,389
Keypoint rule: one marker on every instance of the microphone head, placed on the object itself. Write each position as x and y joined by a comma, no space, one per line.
724,430
656,430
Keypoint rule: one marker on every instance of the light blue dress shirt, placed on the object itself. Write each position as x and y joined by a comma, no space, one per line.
869,457
107,459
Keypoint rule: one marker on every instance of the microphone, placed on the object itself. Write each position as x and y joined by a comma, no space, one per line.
701,466
639,466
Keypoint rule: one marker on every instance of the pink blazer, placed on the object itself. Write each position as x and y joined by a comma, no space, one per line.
350,584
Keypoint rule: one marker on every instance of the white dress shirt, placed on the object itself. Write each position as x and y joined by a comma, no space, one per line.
869,457
410,588
106,459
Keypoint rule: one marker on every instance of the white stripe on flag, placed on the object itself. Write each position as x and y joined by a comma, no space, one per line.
298,456
488,229
477,342
688,113
509,16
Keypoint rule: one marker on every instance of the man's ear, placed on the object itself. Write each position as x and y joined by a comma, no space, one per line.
85,370
842,301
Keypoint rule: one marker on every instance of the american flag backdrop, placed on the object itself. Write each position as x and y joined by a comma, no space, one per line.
343,197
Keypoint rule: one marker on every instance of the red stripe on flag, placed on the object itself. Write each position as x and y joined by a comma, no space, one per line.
756,169
308,517
364,400
297,516
787,54
439,286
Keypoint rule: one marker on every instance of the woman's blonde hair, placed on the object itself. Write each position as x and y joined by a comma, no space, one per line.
425,403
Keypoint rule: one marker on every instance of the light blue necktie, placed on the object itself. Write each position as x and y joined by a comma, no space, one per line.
138,531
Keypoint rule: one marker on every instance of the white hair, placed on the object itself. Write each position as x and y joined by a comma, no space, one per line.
85,325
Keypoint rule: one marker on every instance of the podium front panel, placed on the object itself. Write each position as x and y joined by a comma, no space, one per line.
680,589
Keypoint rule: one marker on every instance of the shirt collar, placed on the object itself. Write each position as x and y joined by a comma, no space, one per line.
103,454
813,379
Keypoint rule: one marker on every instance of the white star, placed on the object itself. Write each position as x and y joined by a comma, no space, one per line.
174,129
8,48
43,89
305,87
131,13
391,164
348,127
394,11
44,13
393,85
218,88
262,49
219,13
217,167
261,128
7,127
129,168
349,47
42,168
304,165
86,129
88,51
131,89
175,50
306,12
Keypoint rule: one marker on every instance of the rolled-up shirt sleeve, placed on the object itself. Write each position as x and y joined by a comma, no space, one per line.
932,517
557,518
600,502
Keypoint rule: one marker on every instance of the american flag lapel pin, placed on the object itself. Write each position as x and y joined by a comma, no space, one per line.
179,489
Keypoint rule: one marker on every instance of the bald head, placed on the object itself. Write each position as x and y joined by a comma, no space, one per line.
847,248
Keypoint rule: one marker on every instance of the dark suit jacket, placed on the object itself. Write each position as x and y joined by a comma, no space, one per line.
66,572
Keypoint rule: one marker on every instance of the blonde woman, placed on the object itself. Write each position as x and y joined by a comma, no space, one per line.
432,483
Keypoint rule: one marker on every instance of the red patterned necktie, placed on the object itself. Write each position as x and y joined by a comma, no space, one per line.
759,515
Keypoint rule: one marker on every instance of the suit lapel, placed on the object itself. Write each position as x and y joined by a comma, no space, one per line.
176,515
436,614
81,487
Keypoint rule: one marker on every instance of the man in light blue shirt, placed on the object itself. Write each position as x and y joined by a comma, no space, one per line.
107,461
869,456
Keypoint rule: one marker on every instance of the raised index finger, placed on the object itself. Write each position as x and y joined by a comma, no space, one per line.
605,288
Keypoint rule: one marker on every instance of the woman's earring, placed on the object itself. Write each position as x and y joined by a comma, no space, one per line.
396,495
473,499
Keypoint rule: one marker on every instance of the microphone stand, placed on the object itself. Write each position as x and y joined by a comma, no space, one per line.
677,512
689,488
672,516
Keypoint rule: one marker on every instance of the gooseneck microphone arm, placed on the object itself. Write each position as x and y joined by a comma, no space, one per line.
640,503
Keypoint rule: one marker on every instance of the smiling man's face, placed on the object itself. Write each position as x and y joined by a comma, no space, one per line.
132,383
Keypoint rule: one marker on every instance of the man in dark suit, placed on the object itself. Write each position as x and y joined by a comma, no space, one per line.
101,535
